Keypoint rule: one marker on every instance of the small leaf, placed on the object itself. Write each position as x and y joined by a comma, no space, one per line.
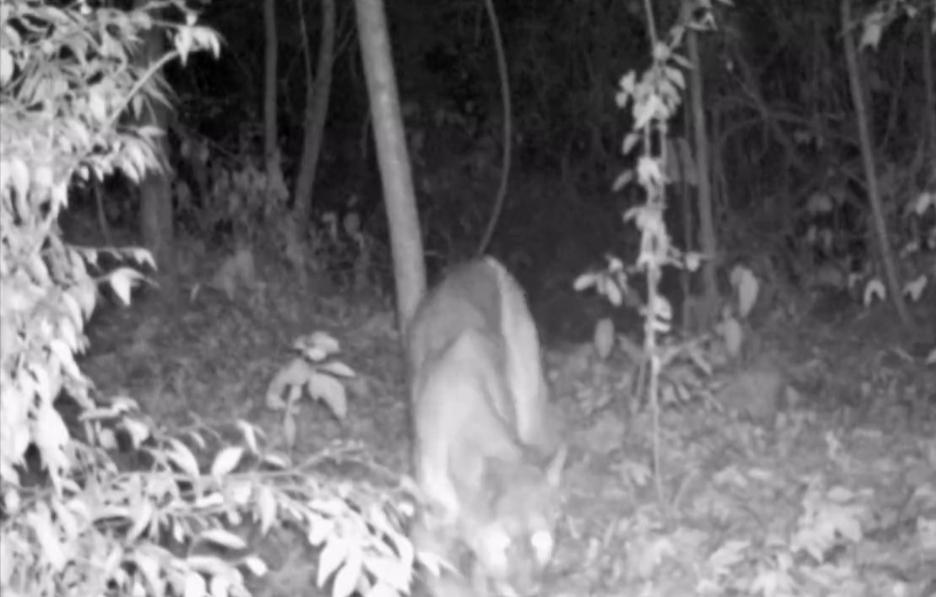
266,502
122,281
182,457
746,288
733,335
249,433
227,460
142,516
223,538
924,201
874,289
914,288
623,179
604,337
693,260
630,141
256,565
586,280
6,66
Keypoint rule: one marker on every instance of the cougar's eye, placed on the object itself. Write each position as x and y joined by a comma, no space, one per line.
542,543
500,542
495,553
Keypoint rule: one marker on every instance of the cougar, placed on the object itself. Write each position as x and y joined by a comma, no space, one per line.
486,455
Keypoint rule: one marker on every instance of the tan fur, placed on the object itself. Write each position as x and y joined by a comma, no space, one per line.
482,426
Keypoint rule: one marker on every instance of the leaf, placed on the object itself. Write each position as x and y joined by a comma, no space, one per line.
623,179
819,203
746,288
613,293
733,335
332,556
256,565
40,521
348,576
383,589
122,281
331,391
693,260
874,289
142,256
337,368
872,30
179,454
6,67
66,358
289,430
226,460
584,281
19,176
647,111
295,373
326,342
194,585
630,141
223,538
914,288
924,201
142,516
604,337
320,529
97,105
266,503
249,433
138,431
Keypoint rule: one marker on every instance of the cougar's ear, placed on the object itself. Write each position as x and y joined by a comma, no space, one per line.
556,464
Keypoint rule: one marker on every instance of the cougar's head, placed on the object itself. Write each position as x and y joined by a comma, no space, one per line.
513,535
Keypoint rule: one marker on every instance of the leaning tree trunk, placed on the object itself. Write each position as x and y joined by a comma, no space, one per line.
156,218
317,95
867,160
405,241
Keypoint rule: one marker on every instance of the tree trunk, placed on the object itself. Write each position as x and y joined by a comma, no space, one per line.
409,268
317,96
707,236
156,217
270,127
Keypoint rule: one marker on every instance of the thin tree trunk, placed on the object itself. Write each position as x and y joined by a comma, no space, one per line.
929,109
405,241
156,217
707,235
867,159
270,57
317,96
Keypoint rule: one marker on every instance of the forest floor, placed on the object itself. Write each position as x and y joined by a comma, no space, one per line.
828,490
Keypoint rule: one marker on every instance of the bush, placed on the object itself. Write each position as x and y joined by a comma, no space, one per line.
73,522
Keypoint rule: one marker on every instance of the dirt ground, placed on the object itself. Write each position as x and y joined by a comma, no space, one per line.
828,490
